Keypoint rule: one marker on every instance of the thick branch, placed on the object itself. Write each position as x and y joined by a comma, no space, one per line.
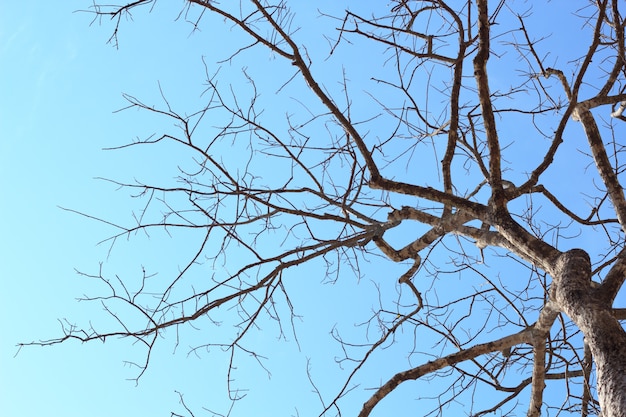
606,170
486,106
614,279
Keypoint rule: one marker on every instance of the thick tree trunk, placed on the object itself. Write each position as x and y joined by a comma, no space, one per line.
593,315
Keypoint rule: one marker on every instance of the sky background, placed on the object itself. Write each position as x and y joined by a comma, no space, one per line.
60,84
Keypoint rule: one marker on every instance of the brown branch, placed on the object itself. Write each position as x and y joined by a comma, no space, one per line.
541,332
614,279
300,63
606,170
440,363
558,204
484,94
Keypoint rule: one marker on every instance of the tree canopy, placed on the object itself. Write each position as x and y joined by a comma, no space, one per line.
423,197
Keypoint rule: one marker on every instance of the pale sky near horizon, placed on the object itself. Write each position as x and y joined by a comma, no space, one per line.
60,84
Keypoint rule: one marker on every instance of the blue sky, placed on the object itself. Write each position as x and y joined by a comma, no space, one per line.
60,86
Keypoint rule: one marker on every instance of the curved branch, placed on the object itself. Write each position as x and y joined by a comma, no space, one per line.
449,360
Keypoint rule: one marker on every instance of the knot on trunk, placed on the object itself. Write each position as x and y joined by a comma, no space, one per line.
572,278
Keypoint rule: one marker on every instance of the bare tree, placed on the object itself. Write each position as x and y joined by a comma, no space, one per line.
445,138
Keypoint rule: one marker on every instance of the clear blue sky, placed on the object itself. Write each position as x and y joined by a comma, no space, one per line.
59,86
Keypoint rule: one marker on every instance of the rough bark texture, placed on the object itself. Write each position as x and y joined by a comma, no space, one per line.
606,338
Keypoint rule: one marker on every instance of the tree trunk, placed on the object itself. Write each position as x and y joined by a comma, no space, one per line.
593,315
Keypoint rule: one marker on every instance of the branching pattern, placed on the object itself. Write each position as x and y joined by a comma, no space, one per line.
455,162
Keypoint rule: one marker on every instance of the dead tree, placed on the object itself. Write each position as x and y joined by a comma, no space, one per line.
451,139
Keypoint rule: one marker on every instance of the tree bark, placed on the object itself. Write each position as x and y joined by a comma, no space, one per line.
605,336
